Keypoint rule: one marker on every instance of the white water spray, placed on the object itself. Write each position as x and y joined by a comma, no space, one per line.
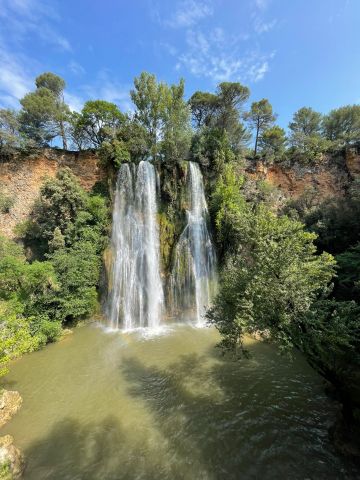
193,279
135,292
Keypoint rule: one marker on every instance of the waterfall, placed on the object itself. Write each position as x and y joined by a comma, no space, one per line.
135,291
193,277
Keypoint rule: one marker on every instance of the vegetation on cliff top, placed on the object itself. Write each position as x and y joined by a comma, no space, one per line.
161,126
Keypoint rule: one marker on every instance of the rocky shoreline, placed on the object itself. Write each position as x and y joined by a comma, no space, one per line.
12,461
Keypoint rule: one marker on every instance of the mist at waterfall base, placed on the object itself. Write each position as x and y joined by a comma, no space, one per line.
136,290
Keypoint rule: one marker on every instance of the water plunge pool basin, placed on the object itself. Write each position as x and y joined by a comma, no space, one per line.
109,405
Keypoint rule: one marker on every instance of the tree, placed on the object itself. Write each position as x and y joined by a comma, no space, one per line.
165,116
203,107
78,270
308,145
44,111
61,199
306,121
176,132
270,282
229,210
342,125
10,138
79,138
149,98
273,143
98,122
260,118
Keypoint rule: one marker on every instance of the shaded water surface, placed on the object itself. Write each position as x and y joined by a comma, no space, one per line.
110,406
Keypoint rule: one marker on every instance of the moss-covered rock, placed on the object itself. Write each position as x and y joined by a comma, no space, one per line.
11,459
167,237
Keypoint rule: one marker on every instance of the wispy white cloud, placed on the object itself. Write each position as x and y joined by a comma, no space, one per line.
15,80
22,18
221,57
212,51
262,4
261,26
106,88
21,21
75,102
189,12
76,68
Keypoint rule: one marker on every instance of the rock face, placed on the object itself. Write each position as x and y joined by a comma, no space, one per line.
353,160
21,179
10,403
329,179
11,459
12,462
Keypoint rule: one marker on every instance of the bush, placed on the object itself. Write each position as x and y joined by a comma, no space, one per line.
6,203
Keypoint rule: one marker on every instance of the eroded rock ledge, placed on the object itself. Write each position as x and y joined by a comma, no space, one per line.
12,462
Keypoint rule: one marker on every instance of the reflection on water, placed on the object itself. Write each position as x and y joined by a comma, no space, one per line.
113,406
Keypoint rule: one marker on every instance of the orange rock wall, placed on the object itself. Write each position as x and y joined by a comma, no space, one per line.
22,178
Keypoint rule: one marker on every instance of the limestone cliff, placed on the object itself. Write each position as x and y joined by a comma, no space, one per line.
21,179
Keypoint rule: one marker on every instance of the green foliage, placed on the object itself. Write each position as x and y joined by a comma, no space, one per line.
271,281
272,144
260,118
162,111
6,202
167,238
203,107
176,132
79,138
348,274
149,97
36,298
308,150
130,144
44,112
15,334
78,270
211,147
275,284
342,125
97,123
51,82
336,222
228,208
220,113
10,139
330,340
5,471
24,289
71,226
114,152
306,121
306,140
61,199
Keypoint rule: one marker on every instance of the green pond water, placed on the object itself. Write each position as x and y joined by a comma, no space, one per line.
110,406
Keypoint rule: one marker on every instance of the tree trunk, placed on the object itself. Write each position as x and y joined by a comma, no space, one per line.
63,136
257,138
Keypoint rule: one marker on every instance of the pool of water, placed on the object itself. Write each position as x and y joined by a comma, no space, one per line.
108,405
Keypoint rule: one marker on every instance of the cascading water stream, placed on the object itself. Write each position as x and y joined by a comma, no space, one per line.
193,278
135,291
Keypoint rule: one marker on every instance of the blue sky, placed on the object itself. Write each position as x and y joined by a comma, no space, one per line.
293,52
